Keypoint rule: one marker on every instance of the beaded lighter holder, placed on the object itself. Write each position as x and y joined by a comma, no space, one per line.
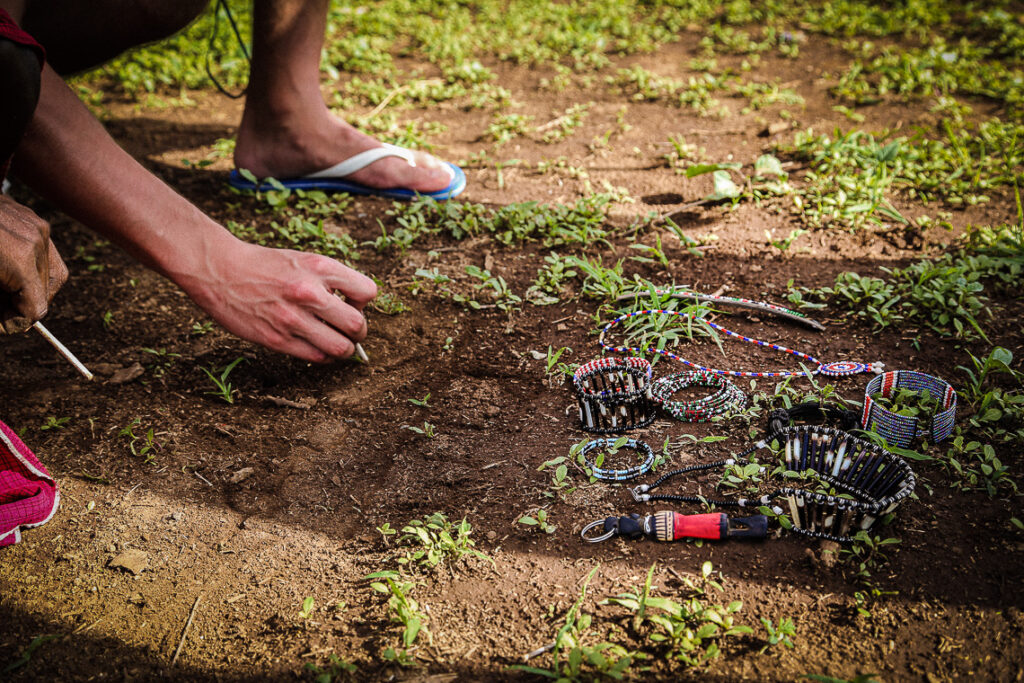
614,394
901,430
625,473
727,399
870,482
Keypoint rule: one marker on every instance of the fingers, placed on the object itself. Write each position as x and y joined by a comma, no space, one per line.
31,270
328,340
58,273
300,348
358,289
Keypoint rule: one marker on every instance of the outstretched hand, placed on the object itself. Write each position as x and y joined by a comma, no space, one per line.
284,300
31,270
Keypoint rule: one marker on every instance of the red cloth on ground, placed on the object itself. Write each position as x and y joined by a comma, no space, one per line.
28,494
10,30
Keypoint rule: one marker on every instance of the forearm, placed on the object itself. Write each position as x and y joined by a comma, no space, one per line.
67,156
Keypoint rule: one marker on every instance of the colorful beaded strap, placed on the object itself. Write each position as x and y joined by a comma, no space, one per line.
623,474
901,430
837,369
697,297
877,480
727,399
614,394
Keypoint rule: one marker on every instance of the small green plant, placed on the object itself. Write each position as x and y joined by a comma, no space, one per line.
307,608
53,422
163,360
141,445
426,430
201,329
559,478
867,554
503,297
26,654
782,632
421,402
435,541
336,669
402,610
690,631
553,368
540,520
386,530
219,376
574,658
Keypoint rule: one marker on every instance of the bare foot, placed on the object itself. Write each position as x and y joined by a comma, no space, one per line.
294,144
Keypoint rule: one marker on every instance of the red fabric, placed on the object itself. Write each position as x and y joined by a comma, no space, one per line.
28,494
10,30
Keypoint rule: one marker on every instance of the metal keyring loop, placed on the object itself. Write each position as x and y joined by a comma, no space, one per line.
596,539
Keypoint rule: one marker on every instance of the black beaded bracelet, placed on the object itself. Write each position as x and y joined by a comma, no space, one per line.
614,394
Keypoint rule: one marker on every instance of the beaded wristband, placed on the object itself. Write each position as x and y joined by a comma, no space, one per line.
901,430
623,474
728,397
614,394
873,480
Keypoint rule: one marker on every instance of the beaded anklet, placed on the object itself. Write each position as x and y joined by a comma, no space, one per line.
728,398
623,474
836,369
900,430
877,480
614,394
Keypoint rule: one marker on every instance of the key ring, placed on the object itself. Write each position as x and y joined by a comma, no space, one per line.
597,539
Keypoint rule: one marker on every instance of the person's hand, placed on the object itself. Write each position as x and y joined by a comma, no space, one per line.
31,270
284,300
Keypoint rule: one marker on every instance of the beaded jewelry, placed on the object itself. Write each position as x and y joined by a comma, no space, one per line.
877,480
900,430
623,474
614,394
728,398
698,298
833,369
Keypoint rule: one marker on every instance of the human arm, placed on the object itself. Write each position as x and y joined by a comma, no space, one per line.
279,298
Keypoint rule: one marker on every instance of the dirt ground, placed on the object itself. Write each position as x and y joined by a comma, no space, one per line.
247,509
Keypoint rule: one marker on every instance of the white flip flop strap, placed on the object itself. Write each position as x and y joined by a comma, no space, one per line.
364,159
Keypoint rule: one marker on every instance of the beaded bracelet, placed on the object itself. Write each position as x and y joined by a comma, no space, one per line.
835,369
728,398
900,430
614,394
623,474
874,482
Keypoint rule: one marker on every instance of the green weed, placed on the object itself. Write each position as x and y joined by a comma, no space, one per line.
219,376
574,658
437,541
539,520
690,631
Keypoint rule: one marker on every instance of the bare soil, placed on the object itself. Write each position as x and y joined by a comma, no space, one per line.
302,522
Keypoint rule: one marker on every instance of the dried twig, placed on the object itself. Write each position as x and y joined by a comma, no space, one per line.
184,632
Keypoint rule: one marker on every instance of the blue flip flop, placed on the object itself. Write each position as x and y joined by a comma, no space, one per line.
333,179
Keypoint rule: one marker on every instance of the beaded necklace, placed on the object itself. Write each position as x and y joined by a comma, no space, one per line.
836,369
873,480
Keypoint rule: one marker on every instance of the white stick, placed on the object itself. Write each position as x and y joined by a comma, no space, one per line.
63,350
361,353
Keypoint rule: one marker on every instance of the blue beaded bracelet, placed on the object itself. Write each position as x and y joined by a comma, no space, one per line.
901,430
623,474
